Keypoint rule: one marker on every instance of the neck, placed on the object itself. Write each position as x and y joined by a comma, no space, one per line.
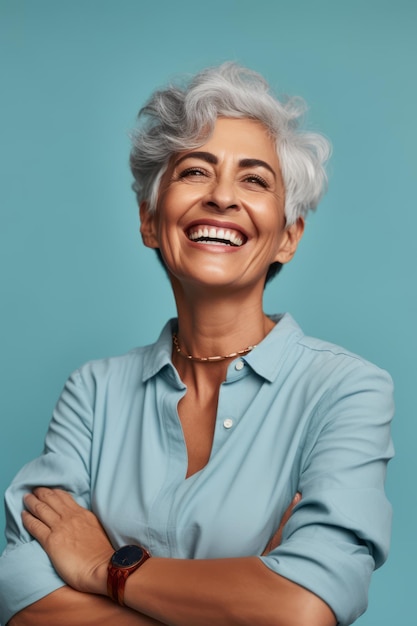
211,324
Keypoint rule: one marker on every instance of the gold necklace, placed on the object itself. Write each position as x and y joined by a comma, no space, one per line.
208,359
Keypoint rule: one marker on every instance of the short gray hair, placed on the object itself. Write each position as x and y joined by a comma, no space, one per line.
181,118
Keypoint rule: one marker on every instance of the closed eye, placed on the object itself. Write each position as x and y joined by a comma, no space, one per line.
257,180
192,171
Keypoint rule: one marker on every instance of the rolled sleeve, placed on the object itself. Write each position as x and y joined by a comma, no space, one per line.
26,573
340,531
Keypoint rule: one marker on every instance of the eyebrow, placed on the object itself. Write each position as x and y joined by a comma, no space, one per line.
213,160
256,163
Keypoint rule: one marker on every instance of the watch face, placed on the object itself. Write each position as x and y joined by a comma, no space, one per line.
127,556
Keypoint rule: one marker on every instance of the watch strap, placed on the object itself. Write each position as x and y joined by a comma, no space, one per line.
116,581
117,576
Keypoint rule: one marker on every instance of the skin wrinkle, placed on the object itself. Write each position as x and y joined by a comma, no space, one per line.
211,158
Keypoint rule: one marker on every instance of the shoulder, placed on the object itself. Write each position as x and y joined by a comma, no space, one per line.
322,374
339,365
129,369
291,349
119,370
329,359
353,395
119,365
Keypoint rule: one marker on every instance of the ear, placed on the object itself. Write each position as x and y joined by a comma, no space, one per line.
148,226
290,241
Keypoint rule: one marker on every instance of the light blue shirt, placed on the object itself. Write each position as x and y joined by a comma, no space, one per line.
295,414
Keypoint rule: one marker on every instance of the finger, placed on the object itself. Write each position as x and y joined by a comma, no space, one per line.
58,499
35,527
47,494
296,499
40,509
277,537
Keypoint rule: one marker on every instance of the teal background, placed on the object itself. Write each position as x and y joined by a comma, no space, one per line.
77,284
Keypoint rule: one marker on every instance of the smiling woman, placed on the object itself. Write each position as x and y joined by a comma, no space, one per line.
233,184
232,472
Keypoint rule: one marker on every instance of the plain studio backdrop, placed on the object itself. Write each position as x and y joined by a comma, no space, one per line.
76,282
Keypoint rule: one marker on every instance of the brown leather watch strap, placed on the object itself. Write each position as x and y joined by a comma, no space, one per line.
116,584
117,574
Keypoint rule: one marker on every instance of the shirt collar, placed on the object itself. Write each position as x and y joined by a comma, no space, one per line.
266,359
269,356
158,355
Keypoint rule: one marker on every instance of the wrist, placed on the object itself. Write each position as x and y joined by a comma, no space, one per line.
99,578
122,564
93,579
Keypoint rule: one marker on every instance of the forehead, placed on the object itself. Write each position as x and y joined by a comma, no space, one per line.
242,137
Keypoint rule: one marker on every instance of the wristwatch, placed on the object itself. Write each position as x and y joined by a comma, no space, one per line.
124,562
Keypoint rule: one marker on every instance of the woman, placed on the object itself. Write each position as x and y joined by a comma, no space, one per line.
244,461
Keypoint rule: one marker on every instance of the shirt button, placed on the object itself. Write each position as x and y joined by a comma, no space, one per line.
228,423
239,366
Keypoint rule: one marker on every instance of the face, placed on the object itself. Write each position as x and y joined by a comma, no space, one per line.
220,213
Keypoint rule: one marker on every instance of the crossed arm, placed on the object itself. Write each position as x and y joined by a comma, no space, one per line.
175,592
340,532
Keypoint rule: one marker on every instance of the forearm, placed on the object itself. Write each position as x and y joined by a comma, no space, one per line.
175,592
67,607
222,592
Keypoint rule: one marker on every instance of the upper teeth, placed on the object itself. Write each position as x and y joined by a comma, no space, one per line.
211,232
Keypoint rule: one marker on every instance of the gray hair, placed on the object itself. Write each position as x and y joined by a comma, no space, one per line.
182,118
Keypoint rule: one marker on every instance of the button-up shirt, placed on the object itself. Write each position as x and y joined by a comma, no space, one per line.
295,414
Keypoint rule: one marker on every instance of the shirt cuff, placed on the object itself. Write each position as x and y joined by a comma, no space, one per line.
330,574
26,575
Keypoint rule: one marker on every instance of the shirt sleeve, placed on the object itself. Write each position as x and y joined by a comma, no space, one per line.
26,573
340,531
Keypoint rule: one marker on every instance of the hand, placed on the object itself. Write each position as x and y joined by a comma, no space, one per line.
276,539
72,537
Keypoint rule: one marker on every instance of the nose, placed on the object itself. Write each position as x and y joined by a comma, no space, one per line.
222,195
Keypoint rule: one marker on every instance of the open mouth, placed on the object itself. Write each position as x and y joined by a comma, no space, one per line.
220,236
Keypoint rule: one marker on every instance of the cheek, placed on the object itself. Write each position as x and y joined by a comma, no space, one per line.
169,237
272,220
